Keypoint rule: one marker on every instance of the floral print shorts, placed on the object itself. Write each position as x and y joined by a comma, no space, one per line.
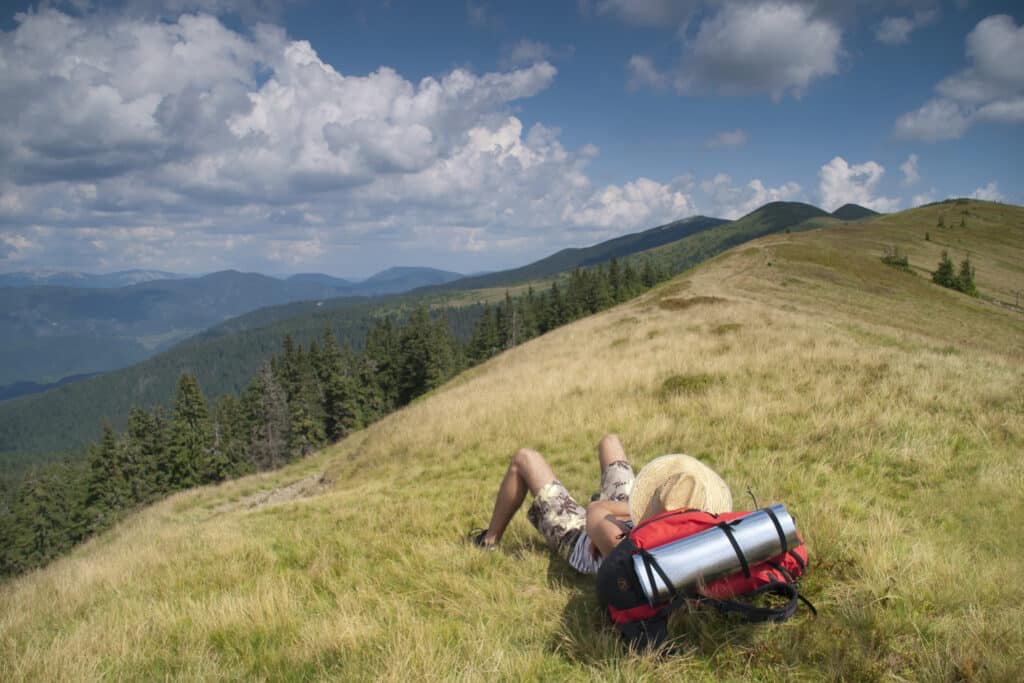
561,520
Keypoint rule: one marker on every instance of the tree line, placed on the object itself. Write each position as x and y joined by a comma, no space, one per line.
300,400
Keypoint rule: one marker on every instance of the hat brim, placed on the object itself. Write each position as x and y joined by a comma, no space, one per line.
714,493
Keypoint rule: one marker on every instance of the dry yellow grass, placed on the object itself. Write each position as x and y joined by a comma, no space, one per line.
885,412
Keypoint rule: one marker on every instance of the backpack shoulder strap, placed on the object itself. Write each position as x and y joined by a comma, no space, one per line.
762,614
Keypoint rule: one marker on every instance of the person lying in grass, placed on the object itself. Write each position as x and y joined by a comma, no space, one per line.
583,537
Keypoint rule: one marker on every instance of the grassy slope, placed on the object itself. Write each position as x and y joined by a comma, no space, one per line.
770,218
886,412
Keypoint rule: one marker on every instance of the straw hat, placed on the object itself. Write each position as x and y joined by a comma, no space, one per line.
674,482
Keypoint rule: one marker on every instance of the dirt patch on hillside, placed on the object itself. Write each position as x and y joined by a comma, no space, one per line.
680,304
303,488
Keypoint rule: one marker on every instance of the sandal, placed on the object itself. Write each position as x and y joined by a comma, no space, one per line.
476,537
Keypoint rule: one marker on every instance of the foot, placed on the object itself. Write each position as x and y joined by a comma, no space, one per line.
478,537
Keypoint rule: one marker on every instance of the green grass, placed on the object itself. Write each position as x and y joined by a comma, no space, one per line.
887,414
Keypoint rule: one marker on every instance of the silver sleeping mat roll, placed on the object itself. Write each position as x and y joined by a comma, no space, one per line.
698,560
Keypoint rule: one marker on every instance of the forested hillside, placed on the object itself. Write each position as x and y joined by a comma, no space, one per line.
224,362
300,400
568,259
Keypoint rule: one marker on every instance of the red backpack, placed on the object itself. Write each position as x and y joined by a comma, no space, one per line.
645,624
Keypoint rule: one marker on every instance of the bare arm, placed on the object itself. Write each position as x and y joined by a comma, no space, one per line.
606,522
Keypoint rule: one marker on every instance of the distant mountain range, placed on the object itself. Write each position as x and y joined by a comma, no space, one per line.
567,259
49,332
226,355
60,278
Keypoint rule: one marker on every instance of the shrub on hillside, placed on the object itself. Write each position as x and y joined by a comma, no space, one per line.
893,258
962,282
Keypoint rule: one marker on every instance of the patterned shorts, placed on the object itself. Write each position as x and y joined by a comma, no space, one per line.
561,520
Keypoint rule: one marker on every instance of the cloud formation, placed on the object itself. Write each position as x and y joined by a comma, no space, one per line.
910,173
776,48
728,138
732,201
653,13
526,52
989,192
841,183
990,89
191,146
897,30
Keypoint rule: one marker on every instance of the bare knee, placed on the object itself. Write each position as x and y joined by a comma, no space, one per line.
525,458
609,441
532,468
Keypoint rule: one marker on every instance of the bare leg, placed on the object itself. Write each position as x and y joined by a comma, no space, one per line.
606,518
609,450
528,471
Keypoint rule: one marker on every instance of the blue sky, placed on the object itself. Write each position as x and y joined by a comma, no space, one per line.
346,137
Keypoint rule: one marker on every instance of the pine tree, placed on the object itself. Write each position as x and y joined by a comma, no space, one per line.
193,460
484,341
268,420
631,283
600,295
229,438
46,516
307,416
340,404
615,280
944,275
965,279
649,277
383,352
107,490
555,313
288,367
144,450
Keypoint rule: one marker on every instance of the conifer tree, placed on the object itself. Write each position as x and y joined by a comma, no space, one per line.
600,295
268,420
484,342
191,440
339,402
965,279
144,450
383,352
649,277
555,314
229,438
307,416
46,516
944,275
107,491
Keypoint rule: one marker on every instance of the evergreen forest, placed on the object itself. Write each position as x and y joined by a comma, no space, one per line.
303,398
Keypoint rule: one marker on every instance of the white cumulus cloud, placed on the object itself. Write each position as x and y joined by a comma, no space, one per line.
734,201
990,89
910,172
897,30
777,48
989,192
190,146
842,183
526,52
643,73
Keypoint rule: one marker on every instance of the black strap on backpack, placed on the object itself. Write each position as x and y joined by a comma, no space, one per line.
759,615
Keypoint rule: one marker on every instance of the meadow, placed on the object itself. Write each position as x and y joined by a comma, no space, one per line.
885,412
